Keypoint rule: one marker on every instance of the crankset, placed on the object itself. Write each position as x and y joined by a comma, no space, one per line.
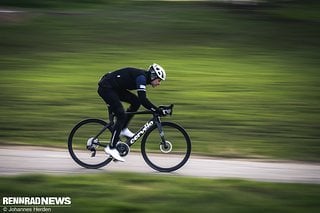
123,148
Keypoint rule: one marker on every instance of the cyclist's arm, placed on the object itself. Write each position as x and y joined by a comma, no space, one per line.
142,94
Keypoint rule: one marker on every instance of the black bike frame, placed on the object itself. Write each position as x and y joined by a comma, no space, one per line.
153,121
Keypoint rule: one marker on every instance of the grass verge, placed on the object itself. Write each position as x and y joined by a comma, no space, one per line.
127,192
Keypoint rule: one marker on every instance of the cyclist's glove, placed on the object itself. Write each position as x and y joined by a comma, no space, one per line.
158,111
164,110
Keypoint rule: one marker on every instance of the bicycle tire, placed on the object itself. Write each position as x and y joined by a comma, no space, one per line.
181,147
77,150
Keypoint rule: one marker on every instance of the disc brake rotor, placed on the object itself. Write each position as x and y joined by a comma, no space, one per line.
166,149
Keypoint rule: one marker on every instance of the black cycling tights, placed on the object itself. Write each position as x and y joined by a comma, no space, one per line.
113,98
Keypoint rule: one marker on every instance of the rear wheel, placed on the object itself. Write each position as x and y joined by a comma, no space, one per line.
171,156
82,143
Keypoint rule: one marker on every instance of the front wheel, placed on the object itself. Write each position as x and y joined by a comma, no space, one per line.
171,156
85,147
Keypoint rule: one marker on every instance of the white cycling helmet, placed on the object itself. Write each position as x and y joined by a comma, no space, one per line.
157,71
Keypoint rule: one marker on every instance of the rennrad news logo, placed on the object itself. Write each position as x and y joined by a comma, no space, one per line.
34,204
39,201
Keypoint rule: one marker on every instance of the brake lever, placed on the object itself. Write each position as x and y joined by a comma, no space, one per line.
171,109
167,109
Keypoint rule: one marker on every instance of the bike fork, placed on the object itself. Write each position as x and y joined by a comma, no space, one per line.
163,140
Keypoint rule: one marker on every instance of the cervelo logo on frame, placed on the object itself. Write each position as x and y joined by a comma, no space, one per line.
141,132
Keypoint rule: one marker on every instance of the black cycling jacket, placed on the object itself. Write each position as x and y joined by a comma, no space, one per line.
129,79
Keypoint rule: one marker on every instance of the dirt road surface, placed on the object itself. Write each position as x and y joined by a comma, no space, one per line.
17,160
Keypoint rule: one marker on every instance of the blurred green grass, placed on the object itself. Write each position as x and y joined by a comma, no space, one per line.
245,81
127,192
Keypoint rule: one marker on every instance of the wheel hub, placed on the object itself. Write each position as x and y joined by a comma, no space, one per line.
92,143
167,148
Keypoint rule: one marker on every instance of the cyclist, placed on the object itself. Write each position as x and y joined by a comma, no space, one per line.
115,87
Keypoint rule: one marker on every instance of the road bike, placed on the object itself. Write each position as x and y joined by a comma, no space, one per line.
165,146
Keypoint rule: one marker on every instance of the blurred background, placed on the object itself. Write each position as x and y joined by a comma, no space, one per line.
243,75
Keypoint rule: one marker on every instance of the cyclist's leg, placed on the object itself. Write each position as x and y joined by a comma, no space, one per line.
111,97
121,118
134,102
